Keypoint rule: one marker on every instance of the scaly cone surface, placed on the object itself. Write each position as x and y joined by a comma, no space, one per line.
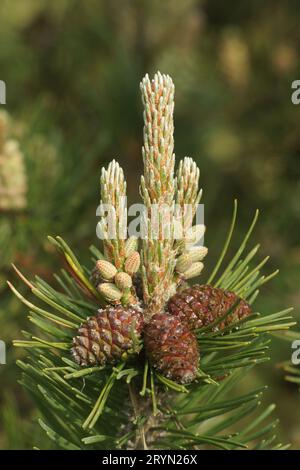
108,337
200,306
172,348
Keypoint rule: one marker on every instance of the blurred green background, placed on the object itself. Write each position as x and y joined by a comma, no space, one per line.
72,70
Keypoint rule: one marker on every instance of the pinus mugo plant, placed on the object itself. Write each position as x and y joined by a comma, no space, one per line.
126,353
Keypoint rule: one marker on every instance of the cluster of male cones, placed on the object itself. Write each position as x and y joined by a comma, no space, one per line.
149,300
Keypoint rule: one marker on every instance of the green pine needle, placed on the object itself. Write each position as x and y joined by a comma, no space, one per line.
90,407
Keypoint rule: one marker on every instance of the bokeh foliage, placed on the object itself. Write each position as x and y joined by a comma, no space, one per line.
72,69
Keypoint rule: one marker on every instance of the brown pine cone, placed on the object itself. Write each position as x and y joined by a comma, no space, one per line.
108,336
172,348
201,305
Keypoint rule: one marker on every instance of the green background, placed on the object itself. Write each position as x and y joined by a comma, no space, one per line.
72,70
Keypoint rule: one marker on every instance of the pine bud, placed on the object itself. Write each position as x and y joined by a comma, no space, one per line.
106,269
132,263
123,281
194,270
194,234
130,246
109,291
183,263
197,254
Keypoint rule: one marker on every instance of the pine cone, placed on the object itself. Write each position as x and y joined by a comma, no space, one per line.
107,336
172,348
201,305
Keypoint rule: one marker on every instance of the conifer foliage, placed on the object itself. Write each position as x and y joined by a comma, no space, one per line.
125,354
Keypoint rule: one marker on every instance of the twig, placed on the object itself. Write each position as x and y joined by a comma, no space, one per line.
135,405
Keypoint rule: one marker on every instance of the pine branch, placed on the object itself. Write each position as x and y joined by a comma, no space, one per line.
97,406
158,190
54,374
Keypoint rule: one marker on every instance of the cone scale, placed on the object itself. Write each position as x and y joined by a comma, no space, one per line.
201,305
108,336
172,348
